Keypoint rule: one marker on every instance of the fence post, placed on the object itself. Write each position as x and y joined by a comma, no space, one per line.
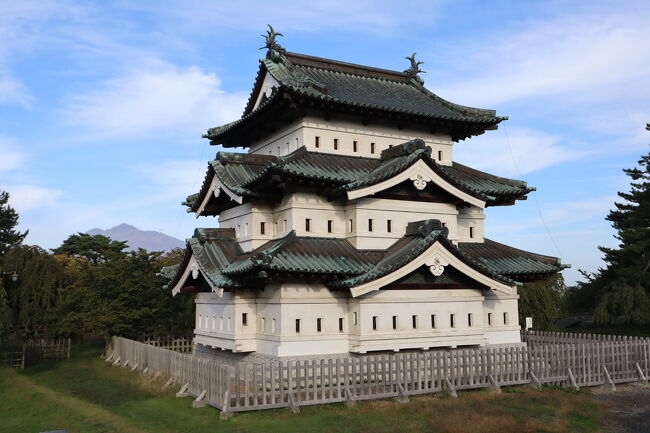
22,363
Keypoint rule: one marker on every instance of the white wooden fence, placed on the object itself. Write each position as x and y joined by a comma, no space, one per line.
175,343
246,386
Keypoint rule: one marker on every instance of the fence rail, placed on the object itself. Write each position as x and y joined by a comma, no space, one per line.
175,343
36,350
246,386
549,337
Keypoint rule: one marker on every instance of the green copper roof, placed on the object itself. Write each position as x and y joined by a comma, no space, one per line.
250,175
509,261
340,265
213,250
353,87
310,255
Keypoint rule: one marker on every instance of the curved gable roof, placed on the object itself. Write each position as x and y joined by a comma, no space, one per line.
350,86
336,262
245,175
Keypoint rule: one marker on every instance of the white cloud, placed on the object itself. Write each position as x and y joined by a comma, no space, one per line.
10,158
367,16
584,57
161,101
515,152
172,180
13,91
27,197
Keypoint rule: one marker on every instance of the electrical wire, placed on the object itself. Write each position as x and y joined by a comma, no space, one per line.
539,209
196,179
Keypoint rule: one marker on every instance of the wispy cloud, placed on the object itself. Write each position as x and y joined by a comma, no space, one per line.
10,157
13,91
515,152
27,197
365,16
165,100
583,57
172,180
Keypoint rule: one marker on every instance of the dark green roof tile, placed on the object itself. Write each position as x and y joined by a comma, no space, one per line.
358,87
246,174
339,264
509,261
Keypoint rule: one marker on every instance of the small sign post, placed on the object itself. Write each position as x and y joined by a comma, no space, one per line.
529,323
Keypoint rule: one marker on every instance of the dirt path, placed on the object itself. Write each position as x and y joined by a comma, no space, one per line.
628,409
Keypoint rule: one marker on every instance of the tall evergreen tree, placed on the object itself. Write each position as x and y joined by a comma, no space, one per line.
9,236
625,280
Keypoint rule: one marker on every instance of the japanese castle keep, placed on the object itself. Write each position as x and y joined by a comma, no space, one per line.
348,227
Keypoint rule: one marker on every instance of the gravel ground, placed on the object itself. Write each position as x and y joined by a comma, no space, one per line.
628,408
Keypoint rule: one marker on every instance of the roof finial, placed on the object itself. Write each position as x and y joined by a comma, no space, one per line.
275,50
414,70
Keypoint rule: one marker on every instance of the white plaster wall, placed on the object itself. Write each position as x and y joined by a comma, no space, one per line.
296,208
287,302
305,131
246,219
220,318
400,213
471,216
404,304
267,86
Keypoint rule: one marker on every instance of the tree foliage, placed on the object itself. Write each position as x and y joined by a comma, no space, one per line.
96,248
9,236
544,301
93,287
620,291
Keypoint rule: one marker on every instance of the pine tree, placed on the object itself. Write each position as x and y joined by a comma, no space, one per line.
98,248
9,237
625,280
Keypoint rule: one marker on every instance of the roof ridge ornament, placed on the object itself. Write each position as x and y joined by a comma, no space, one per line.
414,70
426,228
275,50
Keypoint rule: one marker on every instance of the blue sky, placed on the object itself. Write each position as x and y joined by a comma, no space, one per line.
102,104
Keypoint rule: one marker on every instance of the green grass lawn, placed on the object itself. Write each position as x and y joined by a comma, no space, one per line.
87,395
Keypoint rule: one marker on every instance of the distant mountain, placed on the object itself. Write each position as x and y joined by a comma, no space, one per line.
135,238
